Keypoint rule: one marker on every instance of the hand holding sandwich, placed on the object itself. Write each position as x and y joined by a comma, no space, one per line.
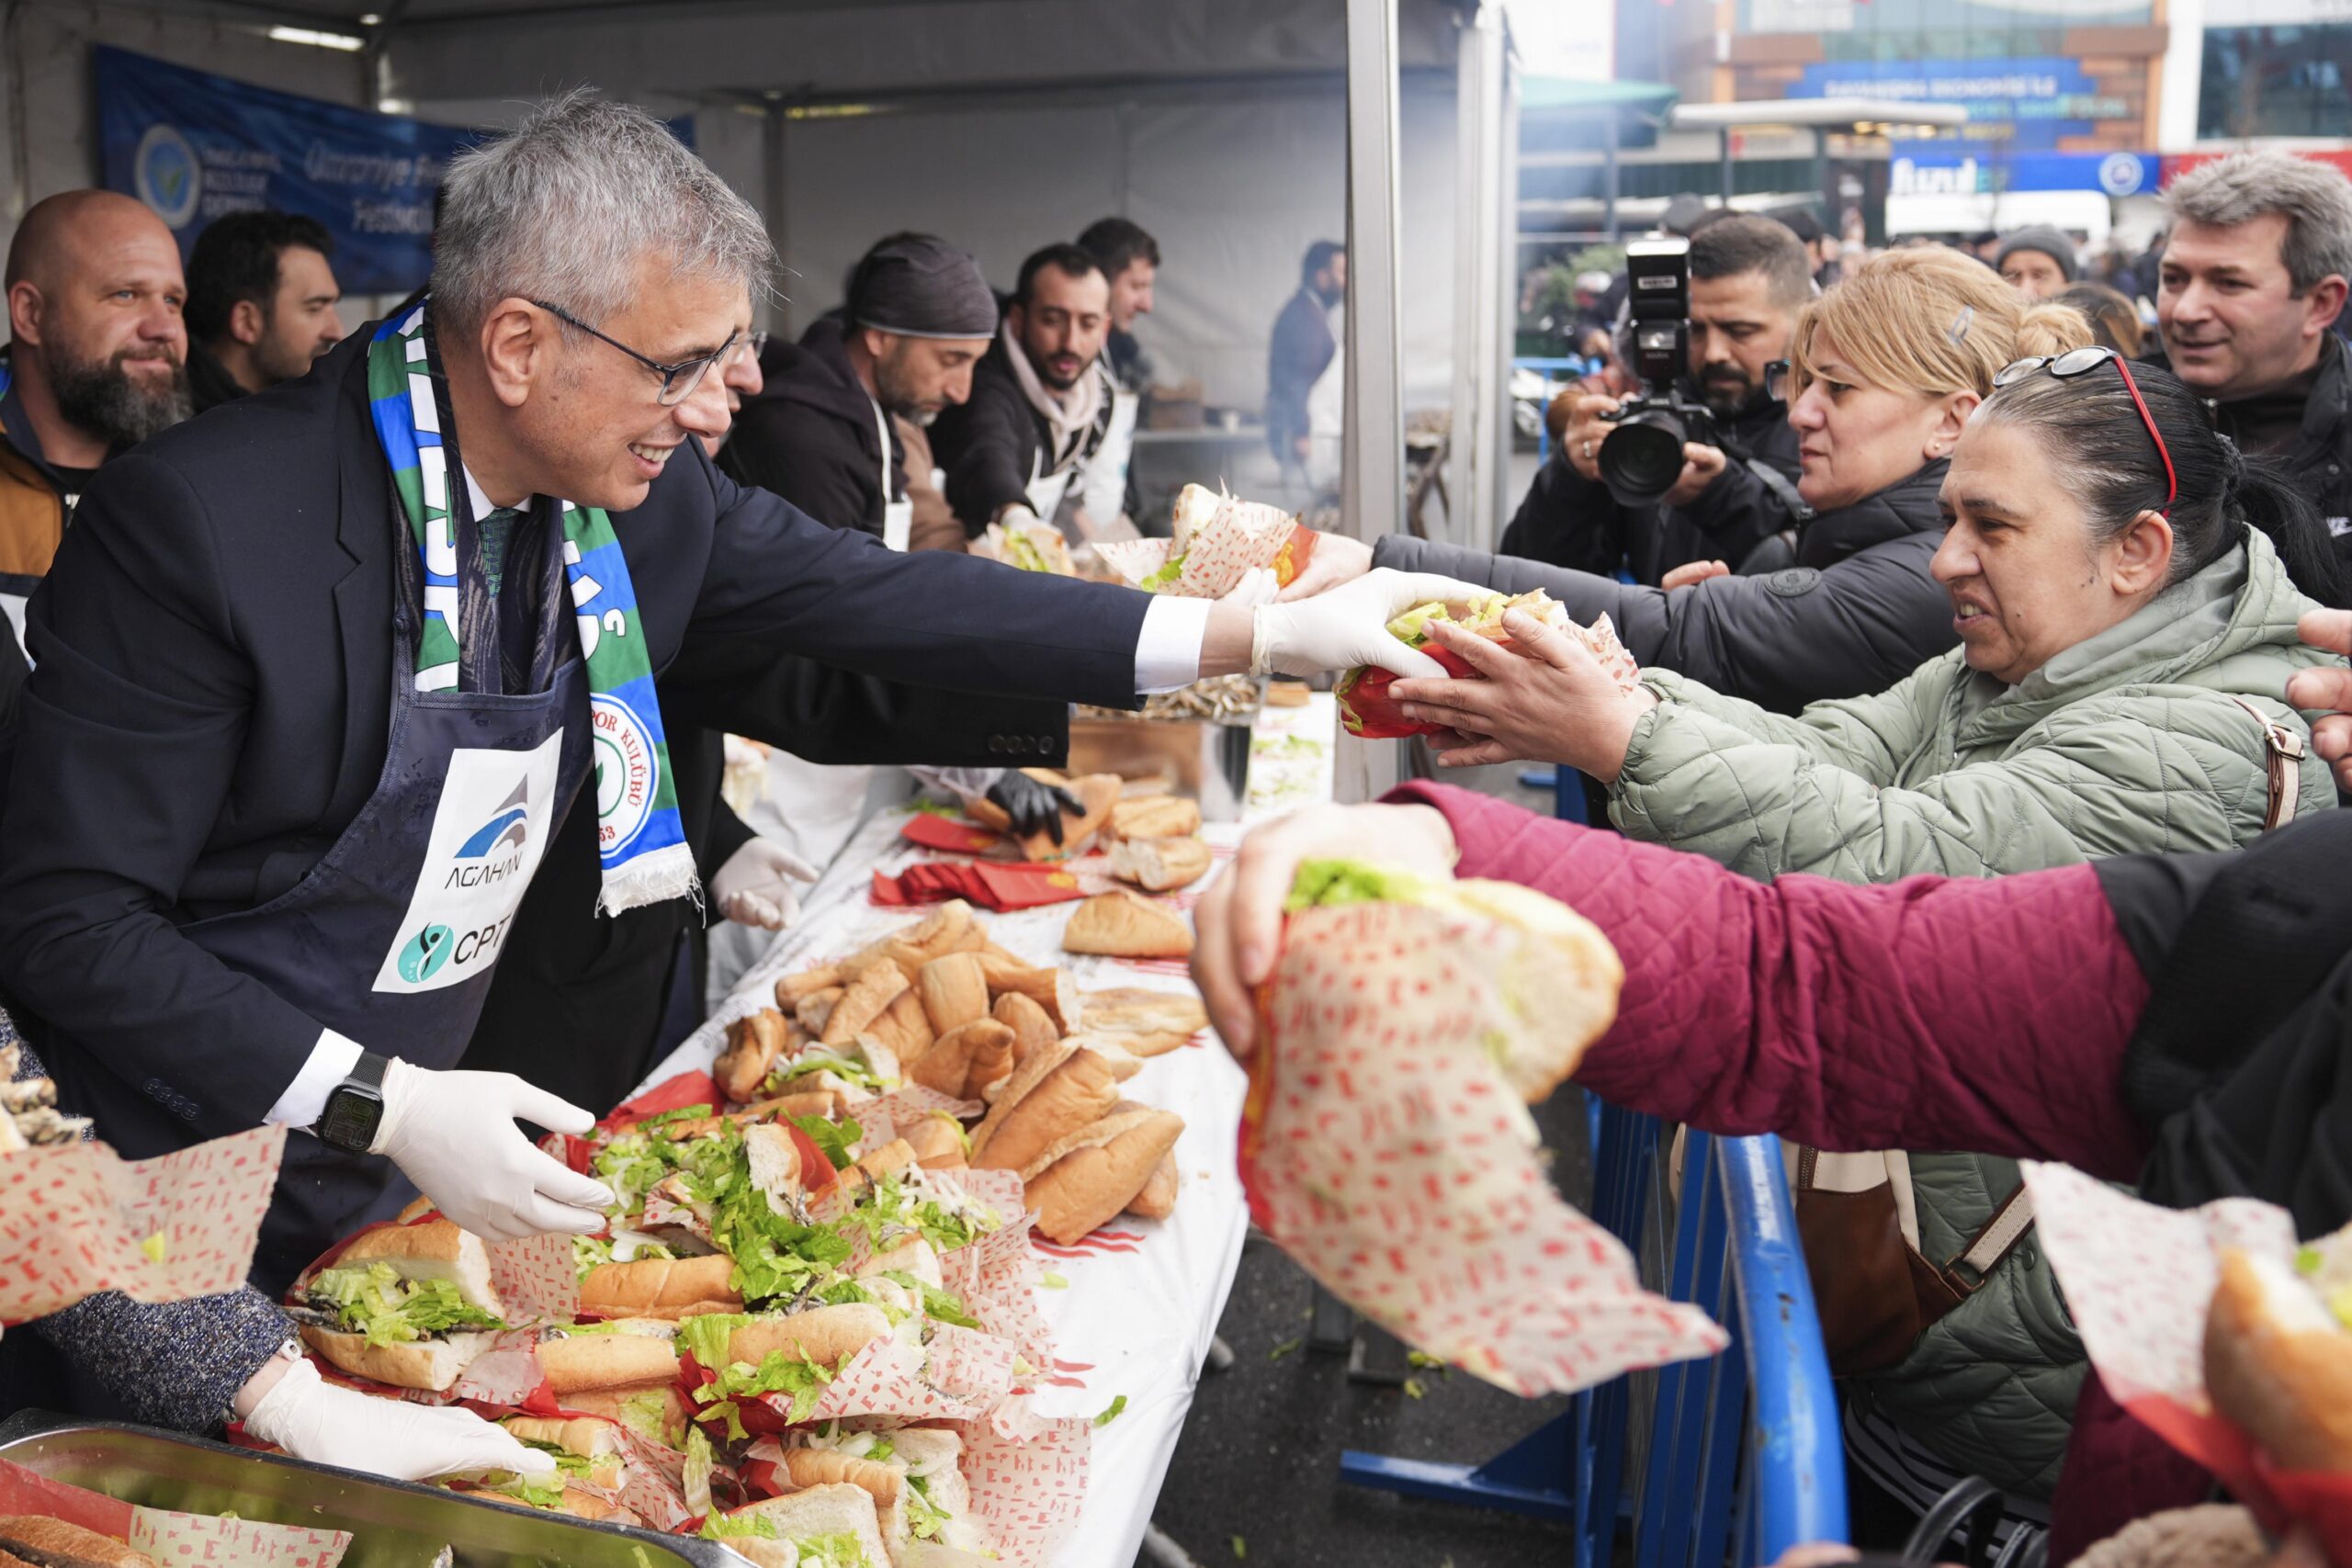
287,1404
1349,627
454,1134
1544,698
1239,919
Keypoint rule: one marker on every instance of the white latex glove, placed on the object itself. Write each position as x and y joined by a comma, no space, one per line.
754,887
1349,627
1257,587
453,1135
313,1419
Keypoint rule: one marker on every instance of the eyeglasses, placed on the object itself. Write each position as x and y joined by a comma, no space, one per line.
679,380
2081,362
753,346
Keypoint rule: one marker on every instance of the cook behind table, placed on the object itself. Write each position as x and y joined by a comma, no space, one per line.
2137,706
1919,334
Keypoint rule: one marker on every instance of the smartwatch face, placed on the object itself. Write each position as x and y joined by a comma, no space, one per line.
351,1119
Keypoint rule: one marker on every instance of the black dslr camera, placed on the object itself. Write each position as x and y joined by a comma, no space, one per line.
1642,457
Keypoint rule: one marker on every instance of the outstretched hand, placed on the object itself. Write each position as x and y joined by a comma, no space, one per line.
1544,698
2328,689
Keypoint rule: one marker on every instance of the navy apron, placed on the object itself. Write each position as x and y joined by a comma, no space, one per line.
391,938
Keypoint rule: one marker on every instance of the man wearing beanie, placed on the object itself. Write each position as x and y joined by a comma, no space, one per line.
2038,262
820,433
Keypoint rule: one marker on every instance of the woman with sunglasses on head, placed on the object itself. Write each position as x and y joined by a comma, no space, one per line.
2125,587
1898,352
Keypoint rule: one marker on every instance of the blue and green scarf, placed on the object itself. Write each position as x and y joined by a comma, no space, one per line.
637,832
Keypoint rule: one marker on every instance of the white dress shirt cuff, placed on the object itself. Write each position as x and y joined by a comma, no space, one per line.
305,1099
1168,650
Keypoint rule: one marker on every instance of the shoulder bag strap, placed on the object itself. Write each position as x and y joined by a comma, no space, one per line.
2285,749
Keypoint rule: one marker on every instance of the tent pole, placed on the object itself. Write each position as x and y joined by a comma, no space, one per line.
1485,528
1610,176
1372,490
1722,144
1477,231
772,196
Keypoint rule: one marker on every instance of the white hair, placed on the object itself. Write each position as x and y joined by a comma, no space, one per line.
2315,199
565,207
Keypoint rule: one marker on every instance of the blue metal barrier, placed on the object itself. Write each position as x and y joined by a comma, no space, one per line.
1738,1455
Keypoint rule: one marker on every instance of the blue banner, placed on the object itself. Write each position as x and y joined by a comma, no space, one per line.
1943,168
2035,99
193,146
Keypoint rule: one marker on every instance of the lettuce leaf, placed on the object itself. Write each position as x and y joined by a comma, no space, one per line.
754,1527
372,1299
1165,577
832,1552
1335,883
939,1307
848,1069
834,1139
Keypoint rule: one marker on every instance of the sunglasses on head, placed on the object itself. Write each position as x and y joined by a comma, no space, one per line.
2081,362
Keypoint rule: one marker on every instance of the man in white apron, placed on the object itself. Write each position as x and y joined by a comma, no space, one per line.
1304,363
1041,403
1130,259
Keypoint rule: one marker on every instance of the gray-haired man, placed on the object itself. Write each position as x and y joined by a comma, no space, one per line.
2253,276
319,676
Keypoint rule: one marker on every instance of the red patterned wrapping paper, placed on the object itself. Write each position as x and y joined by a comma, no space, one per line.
173,1539
1243,536
73,1216
1382,1149
1027,1490
2138,1282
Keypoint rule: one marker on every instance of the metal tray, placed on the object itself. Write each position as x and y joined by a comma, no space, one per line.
394,1523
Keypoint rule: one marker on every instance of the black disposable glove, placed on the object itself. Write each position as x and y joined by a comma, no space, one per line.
1034,807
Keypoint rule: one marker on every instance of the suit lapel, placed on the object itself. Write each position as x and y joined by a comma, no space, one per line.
363,594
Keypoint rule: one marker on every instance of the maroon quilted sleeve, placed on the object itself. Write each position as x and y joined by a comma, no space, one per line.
1934,1013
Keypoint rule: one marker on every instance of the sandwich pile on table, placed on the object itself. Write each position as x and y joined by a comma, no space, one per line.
809,1326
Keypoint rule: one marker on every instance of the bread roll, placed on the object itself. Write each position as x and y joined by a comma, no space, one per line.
580,1362
792,987
53,1543
1096,793
657,1287
1125,925
1057,1093
438,1249
430,1364
1031,1028
1153,816
1051,990
1161,865
862,1003
835,1508
938,1141
824,1335
954,991
1158,1198
2279,1364
753,1045
816,1009
1093,1176
654,1410
904,1028
966,1061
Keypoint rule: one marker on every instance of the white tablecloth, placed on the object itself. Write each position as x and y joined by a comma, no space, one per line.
1144,1297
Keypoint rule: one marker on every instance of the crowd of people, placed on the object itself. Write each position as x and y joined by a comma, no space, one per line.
1988,653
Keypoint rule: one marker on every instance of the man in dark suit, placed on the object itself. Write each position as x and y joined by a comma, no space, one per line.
296,743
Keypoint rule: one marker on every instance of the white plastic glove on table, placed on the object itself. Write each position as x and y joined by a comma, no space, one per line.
754,887
1349,627
454,1134
312,1418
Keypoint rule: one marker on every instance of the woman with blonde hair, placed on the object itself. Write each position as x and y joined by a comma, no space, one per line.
1845,604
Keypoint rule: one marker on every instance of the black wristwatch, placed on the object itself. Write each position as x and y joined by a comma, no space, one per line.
355,1106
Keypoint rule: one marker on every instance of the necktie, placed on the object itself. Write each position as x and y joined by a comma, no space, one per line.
496,530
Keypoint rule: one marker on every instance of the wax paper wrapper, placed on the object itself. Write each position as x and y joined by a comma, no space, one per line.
1370,714
1028,1479
1382,1147
76,1219
1208,557
2139,1281
959,1376
171,1538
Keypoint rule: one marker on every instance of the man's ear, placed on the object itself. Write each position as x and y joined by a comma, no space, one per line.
26,309
2144,555
1017,318
245,322
518,347
2323,303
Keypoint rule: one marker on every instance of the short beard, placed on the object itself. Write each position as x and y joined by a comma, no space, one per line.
102,400
897,397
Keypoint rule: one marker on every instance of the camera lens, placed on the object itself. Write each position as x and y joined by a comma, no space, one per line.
1642,457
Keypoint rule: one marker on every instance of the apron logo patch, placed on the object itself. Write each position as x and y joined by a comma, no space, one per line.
626,772
489,830
425,953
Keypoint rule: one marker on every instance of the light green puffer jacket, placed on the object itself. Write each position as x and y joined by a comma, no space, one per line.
2126,743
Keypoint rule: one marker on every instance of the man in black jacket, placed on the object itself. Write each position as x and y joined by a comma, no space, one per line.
1748,278
260,303
1301,350
2253,276
819,431
316,687
1041,400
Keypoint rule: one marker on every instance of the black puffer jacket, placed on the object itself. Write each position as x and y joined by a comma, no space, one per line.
810,434
1854,614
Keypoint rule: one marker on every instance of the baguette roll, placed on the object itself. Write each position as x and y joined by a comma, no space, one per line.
938,1141
1099,1173
1158,1198
430,1364
2279,1365
53,1543
862,1003
582,1363
1032,1030
815,1010
1063,1090
1126,925
954,991
792,987
965,1061
657,1287
1159,865
753,1045
824,1335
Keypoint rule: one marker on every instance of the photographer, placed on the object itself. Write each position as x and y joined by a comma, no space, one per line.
1748,278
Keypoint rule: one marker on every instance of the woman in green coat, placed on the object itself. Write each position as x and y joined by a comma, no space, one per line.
2125,586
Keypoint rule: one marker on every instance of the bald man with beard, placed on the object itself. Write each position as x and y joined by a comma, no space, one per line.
97,362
